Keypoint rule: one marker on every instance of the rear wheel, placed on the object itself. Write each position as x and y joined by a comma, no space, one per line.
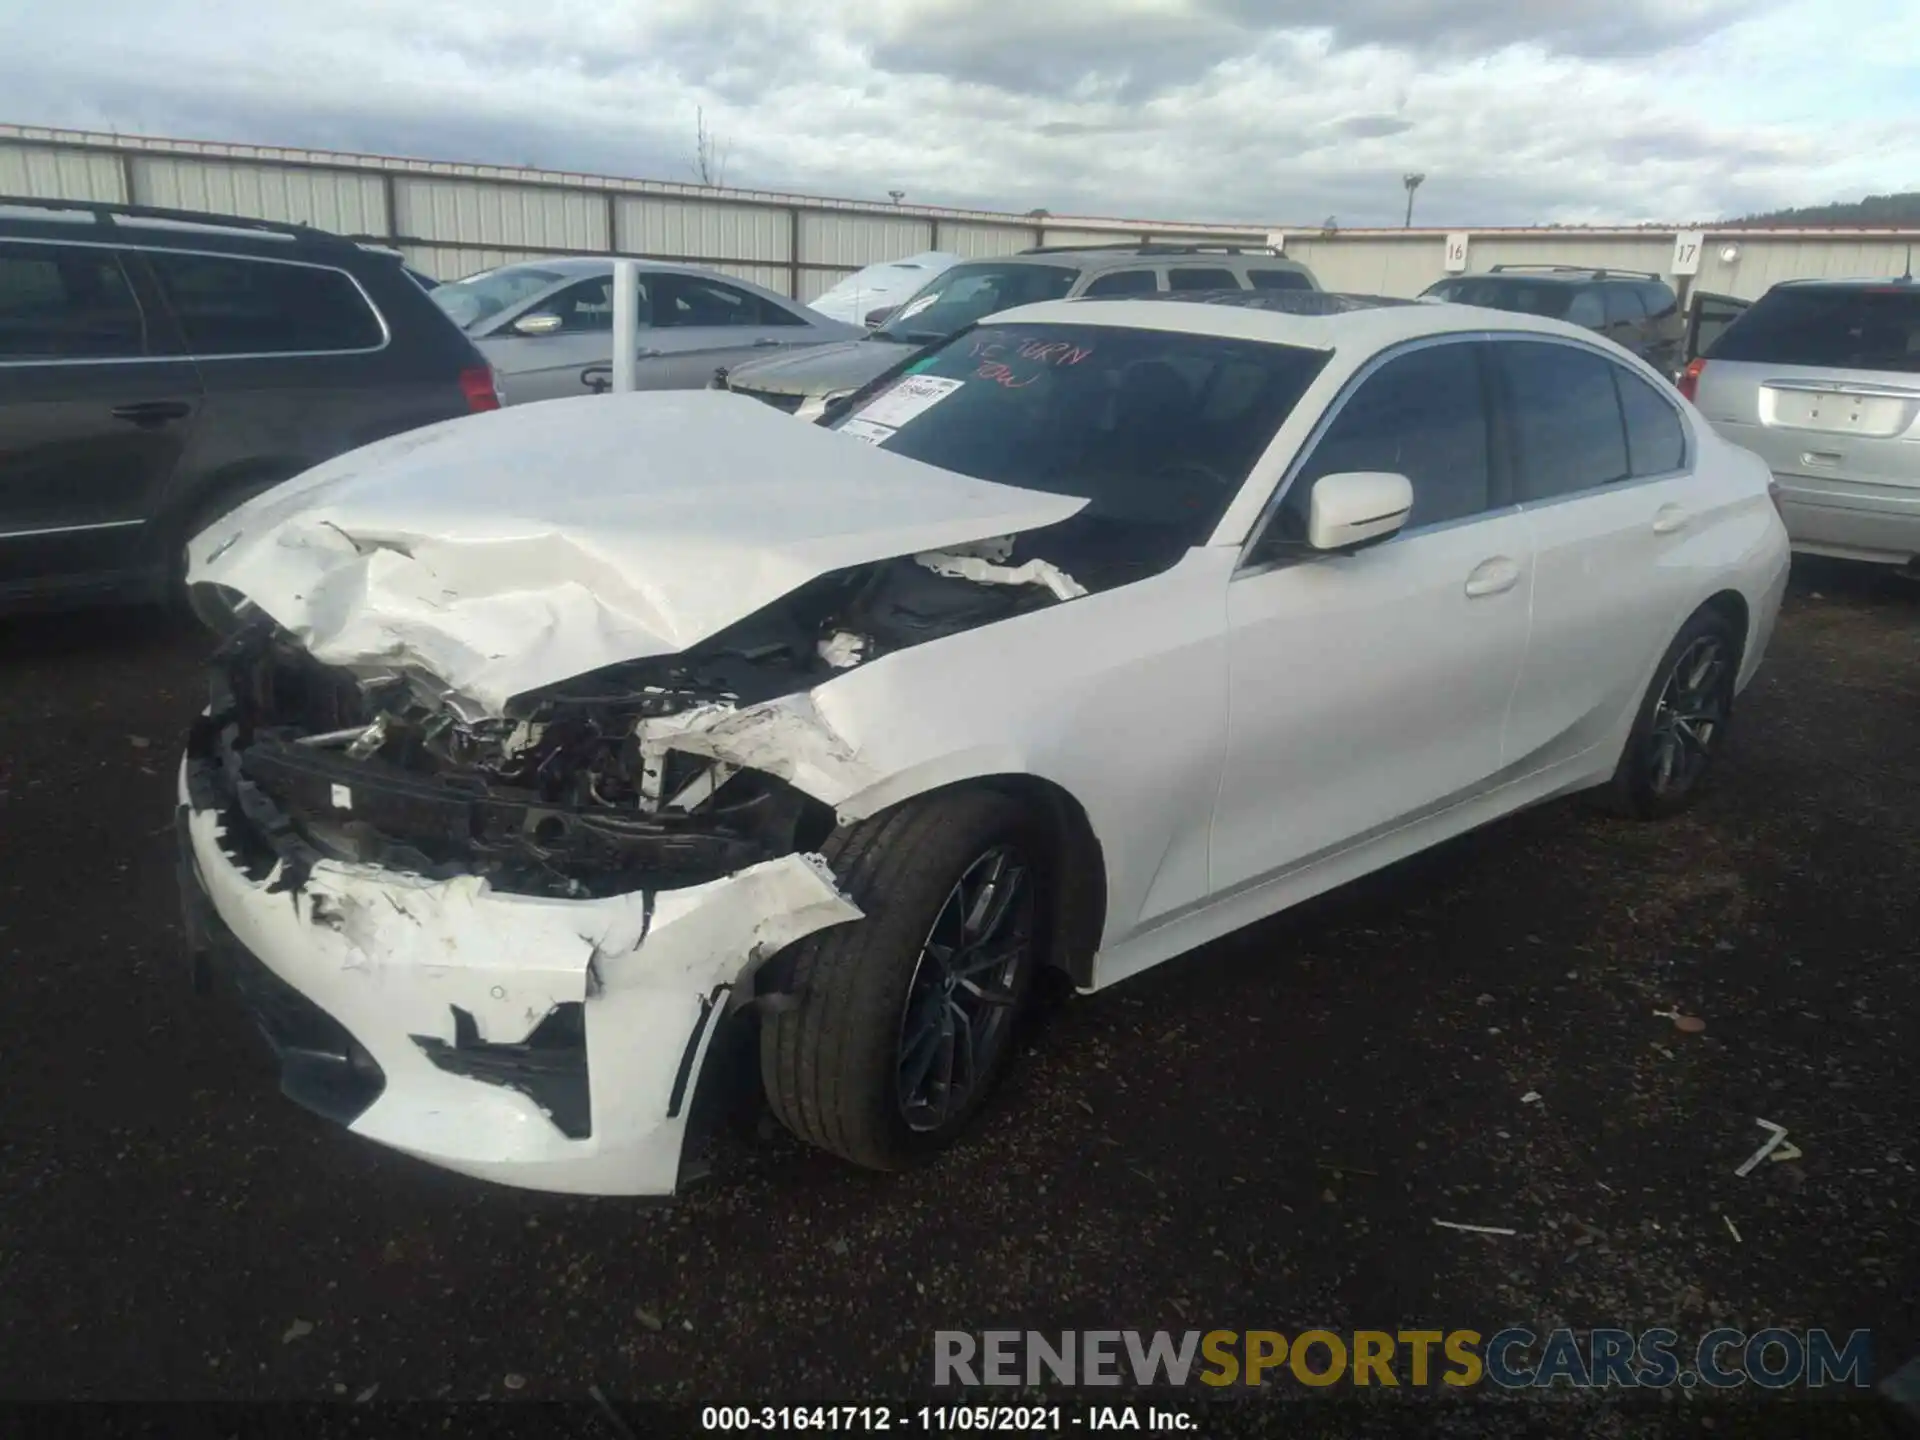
1681,724
905,1020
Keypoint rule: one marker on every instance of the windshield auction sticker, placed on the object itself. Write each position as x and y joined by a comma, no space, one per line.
908,397
868,431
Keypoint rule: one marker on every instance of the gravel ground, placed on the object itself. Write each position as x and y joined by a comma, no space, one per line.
1258,1136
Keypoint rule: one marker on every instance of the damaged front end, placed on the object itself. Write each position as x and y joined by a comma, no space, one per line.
503,940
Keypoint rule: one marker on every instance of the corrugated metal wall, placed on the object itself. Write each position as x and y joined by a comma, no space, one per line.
452,219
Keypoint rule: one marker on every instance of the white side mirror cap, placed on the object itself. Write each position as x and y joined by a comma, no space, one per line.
1357,507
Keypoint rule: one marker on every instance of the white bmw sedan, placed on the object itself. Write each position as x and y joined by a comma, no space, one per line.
573,752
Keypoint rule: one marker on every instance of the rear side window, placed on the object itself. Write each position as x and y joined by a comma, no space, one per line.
1194,278
683,300
1586,308
1659,299
1279,280
228,305
61,303
1122,282
1422,415
1656,441
1843,327
1566,418
1623,305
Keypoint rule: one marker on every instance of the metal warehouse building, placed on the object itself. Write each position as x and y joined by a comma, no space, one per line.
453,219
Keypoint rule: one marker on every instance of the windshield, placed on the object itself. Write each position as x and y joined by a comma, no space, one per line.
1526,297
481,297
1156,429
1853,327
955,299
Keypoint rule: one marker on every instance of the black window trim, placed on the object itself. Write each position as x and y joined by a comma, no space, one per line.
1501,501
1503,419
187,352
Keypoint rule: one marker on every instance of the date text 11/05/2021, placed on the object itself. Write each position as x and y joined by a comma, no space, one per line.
945,1419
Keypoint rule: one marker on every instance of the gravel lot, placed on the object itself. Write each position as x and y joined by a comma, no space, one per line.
1260,1135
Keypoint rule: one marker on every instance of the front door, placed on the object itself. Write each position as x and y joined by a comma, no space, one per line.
1369,689
96,406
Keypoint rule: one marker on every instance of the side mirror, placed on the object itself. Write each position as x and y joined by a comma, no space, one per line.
1357,507
539,322
880,316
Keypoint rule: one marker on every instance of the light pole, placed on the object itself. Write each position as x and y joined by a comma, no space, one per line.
1413,183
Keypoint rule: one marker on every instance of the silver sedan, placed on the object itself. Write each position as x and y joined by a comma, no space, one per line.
546,326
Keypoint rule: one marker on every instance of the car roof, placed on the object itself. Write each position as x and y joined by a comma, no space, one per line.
573,267
1325,321
1852,282
1097,257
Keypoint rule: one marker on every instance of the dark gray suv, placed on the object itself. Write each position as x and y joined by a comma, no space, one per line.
157,367
1635,309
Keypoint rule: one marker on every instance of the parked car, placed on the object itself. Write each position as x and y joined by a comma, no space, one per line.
546,326
1637,310
804,384
1821,379
869,295
1084,637
157,367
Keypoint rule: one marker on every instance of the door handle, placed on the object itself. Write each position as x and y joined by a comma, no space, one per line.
1492,577
765,343
149,413
1669,518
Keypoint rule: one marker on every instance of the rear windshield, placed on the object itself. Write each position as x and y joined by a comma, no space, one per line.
1157,429
1528,297
1842,327
966,293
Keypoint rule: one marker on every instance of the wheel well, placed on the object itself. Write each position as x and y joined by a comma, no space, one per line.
1732,605
235,483
1080,914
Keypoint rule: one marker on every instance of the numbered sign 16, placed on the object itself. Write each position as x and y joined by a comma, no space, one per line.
1456,253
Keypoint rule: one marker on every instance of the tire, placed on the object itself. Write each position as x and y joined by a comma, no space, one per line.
839,1065
1666,767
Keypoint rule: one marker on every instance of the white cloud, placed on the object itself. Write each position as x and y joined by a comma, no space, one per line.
1256,111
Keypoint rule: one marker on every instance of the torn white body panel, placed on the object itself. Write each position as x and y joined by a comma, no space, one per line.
667,517
390,956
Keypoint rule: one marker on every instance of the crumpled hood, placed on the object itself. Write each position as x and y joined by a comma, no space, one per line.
506,551
819,369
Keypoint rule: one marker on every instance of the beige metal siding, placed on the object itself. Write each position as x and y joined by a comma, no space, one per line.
345,203
455,262
857,240
471,212
983,241
1059,235
815,283
656,225
50,172
1761,264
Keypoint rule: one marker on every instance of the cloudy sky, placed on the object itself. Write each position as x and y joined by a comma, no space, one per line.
1277,111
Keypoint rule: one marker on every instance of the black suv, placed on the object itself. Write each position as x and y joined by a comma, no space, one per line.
1635,309
157,367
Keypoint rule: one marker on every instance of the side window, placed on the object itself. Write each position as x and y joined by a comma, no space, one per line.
1278,280
587,306
227,305
1566,417
683,300
1656,441
1659,299
1422,415
1586,309
1623,305
1121,282
1191,277
67,303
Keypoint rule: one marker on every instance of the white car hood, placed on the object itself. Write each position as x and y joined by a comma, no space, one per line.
506,551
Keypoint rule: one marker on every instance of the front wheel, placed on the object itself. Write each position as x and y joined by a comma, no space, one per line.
905,1020
1681,723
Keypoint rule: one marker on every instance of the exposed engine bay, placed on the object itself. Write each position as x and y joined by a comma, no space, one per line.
577,790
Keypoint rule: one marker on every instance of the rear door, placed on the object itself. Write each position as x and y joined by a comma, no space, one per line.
1823,383
96,408
1626,317
701,323
1708,316
1601,466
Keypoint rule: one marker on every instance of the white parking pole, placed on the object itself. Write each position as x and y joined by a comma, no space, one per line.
626,324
